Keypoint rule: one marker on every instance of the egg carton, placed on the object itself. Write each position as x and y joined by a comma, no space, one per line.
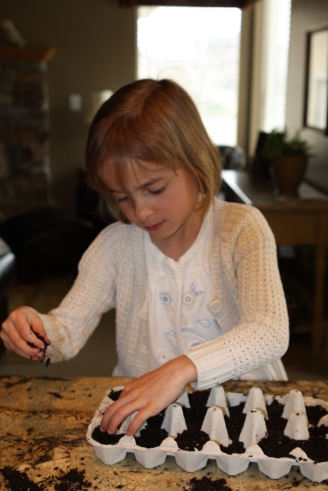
218,404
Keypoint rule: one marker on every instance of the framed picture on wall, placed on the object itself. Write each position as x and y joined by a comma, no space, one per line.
316,93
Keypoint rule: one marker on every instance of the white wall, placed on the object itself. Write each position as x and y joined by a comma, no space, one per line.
305,13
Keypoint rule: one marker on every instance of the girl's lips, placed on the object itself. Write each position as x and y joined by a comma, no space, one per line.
155,227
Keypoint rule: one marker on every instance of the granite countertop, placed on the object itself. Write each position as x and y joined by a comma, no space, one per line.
43,424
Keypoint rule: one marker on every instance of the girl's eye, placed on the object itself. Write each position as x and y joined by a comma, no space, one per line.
157,191
121,200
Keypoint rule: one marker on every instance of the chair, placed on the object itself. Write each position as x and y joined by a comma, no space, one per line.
232,157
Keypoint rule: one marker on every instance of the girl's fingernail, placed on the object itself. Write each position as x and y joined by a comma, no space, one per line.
128,433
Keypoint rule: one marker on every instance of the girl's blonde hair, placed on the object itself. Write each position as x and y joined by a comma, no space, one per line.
151,121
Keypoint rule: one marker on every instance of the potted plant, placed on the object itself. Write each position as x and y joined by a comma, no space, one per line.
289,160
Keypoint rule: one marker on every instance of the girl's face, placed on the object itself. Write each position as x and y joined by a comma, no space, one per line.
161,201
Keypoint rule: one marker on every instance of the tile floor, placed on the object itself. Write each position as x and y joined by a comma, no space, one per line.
98,357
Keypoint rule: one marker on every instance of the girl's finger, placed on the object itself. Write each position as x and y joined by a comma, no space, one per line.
14,341
139,420
31,353
38,330
30,327
116,414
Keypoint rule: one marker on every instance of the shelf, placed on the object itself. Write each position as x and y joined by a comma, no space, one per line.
29,53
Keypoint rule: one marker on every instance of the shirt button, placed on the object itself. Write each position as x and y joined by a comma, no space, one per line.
216,306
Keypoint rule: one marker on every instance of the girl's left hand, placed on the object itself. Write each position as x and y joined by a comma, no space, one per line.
149,394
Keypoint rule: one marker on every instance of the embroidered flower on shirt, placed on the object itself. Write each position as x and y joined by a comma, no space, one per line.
171,333
197,332
189,298
195,344
205,322
165,298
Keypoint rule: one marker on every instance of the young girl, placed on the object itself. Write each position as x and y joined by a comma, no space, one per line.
194,280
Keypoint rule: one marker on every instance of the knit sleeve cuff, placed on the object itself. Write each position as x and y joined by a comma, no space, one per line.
60,348
212,364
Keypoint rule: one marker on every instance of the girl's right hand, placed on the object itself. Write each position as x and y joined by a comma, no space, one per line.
18,333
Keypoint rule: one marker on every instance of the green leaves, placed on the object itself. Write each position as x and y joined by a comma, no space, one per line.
277,145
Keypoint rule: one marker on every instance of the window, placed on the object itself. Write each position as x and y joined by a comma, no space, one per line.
317,79
198,48
276,26
269,68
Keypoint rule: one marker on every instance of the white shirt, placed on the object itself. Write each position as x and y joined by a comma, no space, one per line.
178,295
248,301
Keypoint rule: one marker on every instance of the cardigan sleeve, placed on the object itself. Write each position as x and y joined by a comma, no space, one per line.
260,335
71,324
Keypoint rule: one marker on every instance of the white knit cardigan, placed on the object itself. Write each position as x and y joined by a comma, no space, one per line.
248,301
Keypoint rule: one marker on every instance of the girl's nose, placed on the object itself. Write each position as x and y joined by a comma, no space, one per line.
142,211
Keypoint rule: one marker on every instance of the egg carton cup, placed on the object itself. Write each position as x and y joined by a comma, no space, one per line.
218,404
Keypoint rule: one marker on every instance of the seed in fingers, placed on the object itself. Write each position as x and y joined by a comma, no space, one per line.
39,336
32,345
